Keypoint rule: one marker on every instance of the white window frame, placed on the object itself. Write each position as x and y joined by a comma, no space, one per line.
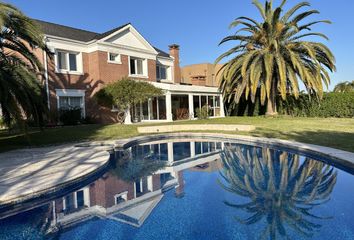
79,69
145,67
118,58
124,195
71,93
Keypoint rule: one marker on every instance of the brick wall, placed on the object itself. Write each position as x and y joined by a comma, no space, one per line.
97,72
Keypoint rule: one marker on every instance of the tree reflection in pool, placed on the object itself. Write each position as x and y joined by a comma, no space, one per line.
281,188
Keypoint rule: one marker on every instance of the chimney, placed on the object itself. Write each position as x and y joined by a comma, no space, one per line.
174,52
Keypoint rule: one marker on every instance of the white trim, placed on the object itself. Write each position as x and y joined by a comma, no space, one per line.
186,88
135,33
70,92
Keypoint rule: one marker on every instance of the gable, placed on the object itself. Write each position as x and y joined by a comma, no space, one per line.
129,37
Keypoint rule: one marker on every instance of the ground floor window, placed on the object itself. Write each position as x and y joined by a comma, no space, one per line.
153,109
180,107
213,102
71,99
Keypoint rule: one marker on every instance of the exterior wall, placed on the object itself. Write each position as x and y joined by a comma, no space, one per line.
102,192
97,72
206,69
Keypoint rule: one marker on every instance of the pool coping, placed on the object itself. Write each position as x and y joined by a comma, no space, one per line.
339,158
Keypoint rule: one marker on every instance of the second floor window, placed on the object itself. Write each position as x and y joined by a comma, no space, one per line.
114,58
67,61
136,66
161,72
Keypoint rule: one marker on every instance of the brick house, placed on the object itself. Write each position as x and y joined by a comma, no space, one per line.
84,61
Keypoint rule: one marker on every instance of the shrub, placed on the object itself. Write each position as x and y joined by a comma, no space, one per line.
2,123
203,113
70,116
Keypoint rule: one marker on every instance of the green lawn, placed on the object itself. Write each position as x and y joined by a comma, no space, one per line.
337,133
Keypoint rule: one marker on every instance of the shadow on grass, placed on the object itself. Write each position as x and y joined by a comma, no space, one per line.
334,139
58,135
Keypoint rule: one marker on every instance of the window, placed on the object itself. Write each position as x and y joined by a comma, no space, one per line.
70,102
121,197
67,61
136,66
114,58
161,72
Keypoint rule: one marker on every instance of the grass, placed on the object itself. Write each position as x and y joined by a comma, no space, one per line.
336,133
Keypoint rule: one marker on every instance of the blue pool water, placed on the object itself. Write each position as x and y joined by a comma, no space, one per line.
194,189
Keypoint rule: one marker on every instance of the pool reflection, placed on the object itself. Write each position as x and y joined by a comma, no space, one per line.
281,189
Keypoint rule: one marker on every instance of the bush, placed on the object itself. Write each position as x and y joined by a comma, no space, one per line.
203,113
71,116
2,123
340,105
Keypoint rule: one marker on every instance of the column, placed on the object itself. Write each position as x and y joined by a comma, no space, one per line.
170,152
192,149
222,110
169,107
191,106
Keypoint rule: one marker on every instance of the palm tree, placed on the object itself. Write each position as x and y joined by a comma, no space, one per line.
344,87
282,189
21,93
272,55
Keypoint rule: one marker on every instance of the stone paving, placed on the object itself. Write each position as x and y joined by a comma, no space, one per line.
29,172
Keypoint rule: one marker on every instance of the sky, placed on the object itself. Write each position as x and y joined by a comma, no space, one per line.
196,25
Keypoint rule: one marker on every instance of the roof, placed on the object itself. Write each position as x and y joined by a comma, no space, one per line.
65,31
80,34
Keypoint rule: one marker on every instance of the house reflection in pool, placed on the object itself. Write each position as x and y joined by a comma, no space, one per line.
130,192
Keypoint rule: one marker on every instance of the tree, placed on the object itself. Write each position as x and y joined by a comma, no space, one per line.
344,87
273,56
125,93
21,93
282,189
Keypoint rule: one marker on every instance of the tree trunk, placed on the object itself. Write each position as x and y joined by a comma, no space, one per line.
128,118
271,101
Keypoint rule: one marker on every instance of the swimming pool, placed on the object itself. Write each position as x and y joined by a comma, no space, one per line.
197,189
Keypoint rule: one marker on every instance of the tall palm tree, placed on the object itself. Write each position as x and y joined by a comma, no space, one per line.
282,189
344,87
272,56
21,93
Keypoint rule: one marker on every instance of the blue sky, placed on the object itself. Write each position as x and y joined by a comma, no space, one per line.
196,25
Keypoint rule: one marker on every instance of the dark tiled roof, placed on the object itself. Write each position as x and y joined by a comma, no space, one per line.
162,53
105,34
79,34
65,32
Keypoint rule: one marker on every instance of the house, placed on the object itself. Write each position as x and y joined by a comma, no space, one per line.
203,74
84,61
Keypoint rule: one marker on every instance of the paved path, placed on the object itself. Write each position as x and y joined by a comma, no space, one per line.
29,172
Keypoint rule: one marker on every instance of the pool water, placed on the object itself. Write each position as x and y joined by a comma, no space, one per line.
198,189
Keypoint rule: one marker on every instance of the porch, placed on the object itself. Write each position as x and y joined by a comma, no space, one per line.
180,102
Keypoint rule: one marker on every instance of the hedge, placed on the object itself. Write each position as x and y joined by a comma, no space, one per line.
340,105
